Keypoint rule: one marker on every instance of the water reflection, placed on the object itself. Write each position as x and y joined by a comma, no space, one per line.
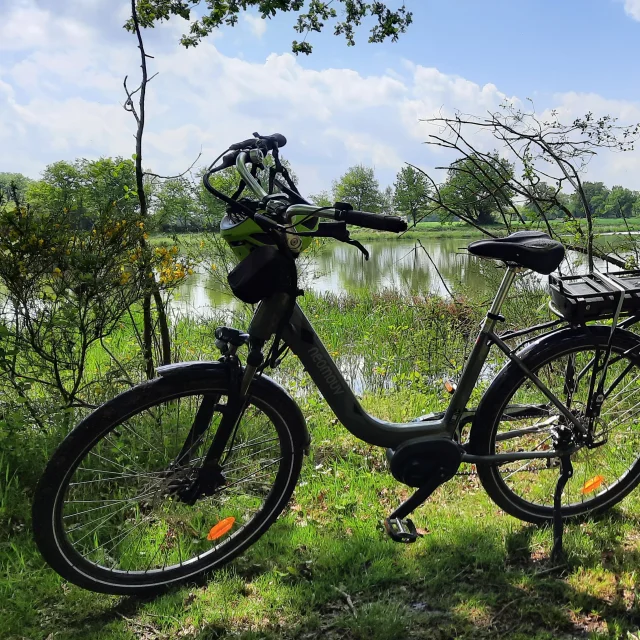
432,265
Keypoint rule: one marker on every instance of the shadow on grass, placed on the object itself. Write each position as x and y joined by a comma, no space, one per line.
464,587
468,581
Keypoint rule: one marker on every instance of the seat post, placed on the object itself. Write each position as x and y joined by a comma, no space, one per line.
501,295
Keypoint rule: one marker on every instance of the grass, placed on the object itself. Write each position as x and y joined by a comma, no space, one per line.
324,570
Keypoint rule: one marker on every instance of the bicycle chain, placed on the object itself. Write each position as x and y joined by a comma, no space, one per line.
475,473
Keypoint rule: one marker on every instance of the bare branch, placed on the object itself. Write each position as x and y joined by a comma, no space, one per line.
179,175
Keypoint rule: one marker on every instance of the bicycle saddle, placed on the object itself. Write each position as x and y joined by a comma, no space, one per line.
534,250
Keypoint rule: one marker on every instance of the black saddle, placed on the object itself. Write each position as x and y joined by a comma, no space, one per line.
534,250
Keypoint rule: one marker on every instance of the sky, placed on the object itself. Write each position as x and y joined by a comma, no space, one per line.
62,64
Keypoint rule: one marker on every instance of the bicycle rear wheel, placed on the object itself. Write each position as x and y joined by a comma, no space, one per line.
112,511
567,364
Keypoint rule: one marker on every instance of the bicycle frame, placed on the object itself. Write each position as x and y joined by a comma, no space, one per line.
300,337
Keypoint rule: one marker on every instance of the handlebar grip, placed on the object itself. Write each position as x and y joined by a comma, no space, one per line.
373,221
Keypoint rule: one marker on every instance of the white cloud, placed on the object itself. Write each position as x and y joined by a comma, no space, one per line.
61,97
256,24
27,26
632,8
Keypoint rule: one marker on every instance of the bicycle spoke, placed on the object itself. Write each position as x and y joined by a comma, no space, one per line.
130,515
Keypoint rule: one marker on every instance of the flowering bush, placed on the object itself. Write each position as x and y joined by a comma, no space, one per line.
72,263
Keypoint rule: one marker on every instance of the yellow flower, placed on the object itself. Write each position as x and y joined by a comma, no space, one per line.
57,273
145,235
141,225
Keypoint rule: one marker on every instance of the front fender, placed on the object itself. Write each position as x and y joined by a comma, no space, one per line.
266,386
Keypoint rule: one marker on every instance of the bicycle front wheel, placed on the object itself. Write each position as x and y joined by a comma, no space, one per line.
568,365
113,511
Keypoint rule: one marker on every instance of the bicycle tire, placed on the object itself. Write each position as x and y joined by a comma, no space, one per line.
490,417
102,426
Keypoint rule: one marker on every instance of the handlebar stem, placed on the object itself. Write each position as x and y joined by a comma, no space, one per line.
250,181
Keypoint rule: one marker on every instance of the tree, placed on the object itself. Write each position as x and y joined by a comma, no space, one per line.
479,187
13,186
321,199
311,17
541,203
359,187
85,190
620,203
387,207
595,194
177,206
412,191
64,287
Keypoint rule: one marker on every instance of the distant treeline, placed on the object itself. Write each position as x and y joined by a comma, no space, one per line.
84,189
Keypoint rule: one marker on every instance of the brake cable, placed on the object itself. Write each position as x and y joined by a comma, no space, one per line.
341,229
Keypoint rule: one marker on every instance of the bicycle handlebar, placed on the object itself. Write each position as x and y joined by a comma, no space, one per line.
241,153
358,218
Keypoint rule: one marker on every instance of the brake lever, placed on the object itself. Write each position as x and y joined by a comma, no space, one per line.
338,231
358,246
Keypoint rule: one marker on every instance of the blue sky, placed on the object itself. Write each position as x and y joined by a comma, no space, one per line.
62,64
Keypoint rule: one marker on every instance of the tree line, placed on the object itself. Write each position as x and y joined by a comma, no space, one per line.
84,188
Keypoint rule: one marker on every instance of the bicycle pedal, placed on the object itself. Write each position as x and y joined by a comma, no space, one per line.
401,530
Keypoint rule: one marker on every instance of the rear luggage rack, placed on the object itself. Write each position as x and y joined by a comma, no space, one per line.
594,296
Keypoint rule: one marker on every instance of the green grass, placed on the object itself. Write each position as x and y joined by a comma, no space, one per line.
324,570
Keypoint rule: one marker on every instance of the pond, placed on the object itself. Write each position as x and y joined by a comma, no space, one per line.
428,265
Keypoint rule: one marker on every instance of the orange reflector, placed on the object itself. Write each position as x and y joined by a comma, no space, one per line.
449,387
221,528
592,484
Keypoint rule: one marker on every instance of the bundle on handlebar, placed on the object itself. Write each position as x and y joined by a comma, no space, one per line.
268,143
263,143
280,212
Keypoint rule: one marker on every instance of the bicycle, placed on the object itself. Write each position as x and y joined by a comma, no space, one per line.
178,475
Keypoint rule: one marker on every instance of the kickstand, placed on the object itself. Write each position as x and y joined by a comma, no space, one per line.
566,471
